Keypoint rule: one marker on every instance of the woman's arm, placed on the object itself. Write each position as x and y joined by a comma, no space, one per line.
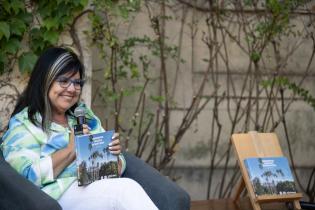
63,157
22,150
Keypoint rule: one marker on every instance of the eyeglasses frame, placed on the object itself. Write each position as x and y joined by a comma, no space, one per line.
70,81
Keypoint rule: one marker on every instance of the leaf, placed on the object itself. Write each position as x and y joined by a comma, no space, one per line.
2,62
107,73
2,58
248,2
51,23
35,32
17,5
27,61
46,9
84,2
12,46
158,99
37,41
4,30
6,5
123,11
59,1
51,36
17,26
63,21
266,83
25,17
255,56
121,73
134,71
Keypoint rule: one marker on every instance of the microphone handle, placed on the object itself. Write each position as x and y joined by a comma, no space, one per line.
81,120
78,129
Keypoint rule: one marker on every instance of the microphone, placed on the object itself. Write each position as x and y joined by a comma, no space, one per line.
79,113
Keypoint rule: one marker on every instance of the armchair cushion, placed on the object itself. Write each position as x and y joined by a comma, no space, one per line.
18,193
164,193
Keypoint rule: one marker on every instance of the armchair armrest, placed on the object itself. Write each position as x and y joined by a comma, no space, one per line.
18,193
165,194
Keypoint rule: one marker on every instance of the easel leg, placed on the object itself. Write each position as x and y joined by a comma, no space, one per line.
256,205
240,186
297,205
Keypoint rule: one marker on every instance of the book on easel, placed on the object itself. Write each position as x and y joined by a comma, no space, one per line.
270,175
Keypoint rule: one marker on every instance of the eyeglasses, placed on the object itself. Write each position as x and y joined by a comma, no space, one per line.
65,82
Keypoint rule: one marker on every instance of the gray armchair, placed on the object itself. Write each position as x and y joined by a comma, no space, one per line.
18,193
164,193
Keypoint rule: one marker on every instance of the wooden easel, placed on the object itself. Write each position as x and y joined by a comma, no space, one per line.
253,144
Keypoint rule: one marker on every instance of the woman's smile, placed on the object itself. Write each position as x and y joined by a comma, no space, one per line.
67,96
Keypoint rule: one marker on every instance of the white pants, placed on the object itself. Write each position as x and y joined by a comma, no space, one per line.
107,194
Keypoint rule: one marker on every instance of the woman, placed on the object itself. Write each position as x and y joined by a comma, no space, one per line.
39,142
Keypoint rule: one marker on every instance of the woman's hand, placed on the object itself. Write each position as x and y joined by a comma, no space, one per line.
114,146
71,144
64,157
86,129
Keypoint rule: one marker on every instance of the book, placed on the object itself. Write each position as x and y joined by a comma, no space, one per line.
270,175
93,159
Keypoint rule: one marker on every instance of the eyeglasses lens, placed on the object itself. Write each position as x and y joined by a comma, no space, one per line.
65,82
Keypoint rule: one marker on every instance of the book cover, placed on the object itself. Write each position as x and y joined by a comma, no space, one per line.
270,176
94,161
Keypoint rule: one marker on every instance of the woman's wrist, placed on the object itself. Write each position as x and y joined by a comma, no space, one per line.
71,153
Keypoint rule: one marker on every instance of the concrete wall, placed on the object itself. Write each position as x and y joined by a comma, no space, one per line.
195,150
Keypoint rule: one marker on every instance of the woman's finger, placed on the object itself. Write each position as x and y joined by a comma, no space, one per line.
86,129
115,142
71,138
115,148
115,136
115,152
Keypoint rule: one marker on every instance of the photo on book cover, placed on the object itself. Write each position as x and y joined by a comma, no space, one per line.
94,161
270,176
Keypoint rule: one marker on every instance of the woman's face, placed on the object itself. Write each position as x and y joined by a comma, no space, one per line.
61,96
